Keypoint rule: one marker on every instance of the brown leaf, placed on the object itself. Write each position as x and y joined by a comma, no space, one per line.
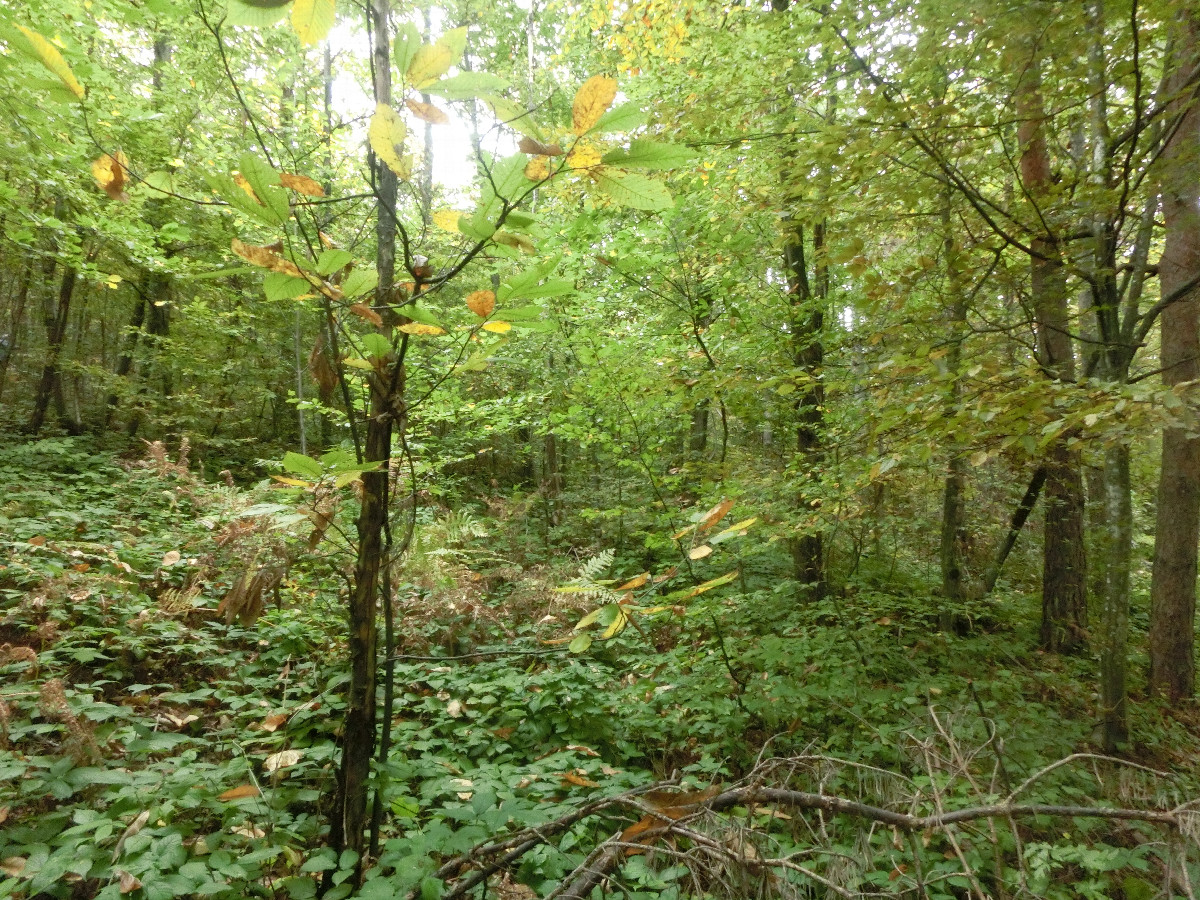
264,258
241,792
427,112
301,184
537,148
171,558
281,760
365,312
591,102
3,814
482,303
13,866
129,883
112,175
272,722
38,541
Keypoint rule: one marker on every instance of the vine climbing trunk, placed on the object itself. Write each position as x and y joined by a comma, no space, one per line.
1064,597
1173,583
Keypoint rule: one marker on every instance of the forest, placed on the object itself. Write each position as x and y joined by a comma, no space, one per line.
580,448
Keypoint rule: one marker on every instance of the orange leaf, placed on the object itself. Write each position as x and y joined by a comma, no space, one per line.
365,312
301,184
482,303
715,515
577,780
634,583
112,174
241,792
38,541
427,112
273,721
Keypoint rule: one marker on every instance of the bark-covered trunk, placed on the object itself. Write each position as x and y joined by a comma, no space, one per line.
57,314
1173,583
16,317
349,825
1064,576
953,500
1114,607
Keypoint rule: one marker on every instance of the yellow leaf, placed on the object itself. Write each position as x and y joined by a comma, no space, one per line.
312,19
264,258
427,111
294,482
482,303
432,61
699,552
301,184
365,312
634,583
241,182
447,219
591,102
538,168
52,60
583,156
420,328
386,135
498,327
112,174
241,792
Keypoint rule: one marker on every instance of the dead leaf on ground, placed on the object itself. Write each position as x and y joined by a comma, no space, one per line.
281,760
273,721
241,792
129,883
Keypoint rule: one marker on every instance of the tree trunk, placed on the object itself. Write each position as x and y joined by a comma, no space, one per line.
16,318
348,831
1064,575
50,386
1114,614
1173,583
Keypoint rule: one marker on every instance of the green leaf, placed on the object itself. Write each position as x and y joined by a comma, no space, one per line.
227,189
312,19
419,314
580,643
279,286
254,15
331,260
625,117
359,282
634,191
406,45
644,153
302,465
467,86
265,182
376,345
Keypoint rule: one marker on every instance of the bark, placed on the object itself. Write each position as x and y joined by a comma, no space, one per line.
1114,610
1173,583
1064,575
57,314
698,430
349,825
16,318
125,360
956,470
1020,514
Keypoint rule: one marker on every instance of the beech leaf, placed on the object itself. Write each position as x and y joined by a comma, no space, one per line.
591,102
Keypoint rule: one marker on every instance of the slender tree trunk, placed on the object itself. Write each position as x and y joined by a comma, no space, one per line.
348,830
1019,516
1114,612
1173,583
1064,575
56,318
125,360
16,317
956,469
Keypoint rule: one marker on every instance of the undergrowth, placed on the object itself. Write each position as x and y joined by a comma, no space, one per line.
167,729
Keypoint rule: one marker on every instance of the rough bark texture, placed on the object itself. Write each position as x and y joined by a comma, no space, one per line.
1064,575
57,314
348,831
1173,584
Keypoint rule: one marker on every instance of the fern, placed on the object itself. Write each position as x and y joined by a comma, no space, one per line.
588,581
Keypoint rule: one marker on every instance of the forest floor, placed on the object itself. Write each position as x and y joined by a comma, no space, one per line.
151,748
